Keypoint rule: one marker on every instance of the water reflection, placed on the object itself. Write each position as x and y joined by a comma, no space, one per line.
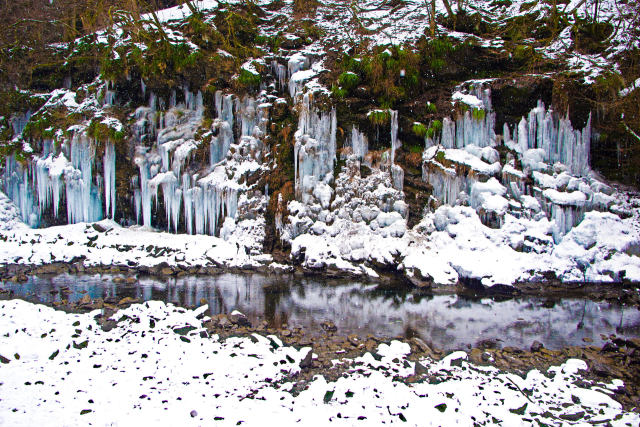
446,321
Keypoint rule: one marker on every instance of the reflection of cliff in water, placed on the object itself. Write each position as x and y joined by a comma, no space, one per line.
446,321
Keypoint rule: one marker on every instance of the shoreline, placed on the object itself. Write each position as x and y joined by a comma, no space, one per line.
617,359
626,293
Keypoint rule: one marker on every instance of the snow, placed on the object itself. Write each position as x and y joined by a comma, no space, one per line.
470,100
151,373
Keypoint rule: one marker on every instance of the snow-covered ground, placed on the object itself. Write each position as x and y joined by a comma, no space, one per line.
158,365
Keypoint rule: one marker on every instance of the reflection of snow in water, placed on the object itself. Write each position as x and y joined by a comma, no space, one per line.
447,321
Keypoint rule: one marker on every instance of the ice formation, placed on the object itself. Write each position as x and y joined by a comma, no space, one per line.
48,173
460,163
109,163
544,130
314,151
358,143
197,201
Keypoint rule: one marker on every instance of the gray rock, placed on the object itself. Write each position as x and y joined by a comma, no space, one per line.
536,346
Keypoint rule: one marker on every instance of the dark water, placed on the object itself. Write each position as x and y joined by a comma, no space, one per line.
446,321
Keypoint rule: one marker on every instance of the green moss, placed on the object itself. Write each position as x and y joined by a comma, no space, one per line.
338,92
102,132
434,127
478,114
379,117
348,80
249,79
431,108
419,129
440,157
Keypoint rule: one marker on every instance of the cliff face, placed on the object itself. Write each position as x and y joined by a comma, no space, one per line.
346,137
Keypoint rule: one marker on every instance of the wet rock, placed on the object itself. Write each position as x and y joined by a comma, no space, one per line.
307,360
420,369
328,326
224,322
238,318
193,413
599,369
609,347
86,299
127,300
4,360
421,345
573,417
487,344
536,346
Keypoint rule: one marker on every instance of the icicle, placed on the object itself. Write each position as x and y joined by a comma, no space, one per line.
84,202
187,197
109,163
359,144
315,147
395,144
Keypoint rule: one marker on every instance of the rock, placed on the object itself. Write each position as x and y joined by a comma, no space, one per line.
307,360
420,369
166,271
224,322
99,227
286,333
4,360
86,299
573,417
193,413
109,325
487,344
609,347
536,346
328,326
238,318
421,345
599,369
353,340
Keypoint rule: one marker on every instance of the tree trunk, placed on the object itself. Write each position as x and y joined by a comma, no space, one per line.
432,17
447,6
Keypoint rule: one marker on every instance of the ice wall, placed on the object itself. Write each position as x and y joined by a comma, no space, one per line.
17,186
358,143
544,129
109,165
460,162
315,149
195,199
38,185
474,126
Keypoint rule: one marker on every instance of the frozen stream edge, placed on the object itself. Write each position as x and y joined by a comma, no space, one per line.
63,369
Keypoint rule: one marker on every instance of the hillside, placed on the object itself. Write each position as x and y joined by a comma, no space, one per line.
493,142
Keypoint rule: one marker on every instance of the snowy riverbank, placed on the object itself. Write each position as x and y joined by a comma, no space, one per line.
449,245
64,369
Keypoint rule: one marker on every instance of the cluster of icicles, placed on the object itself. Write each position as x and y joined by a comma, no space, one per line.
68,170
542,135
165,141
198,201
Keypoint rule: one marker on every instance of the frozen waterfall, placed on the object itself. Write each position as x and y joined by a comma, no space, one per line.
315,148
109,163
